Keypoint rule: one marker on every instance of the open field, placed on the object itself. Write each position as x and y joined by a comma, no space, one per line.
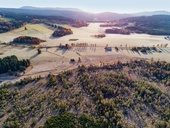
55,60
84,35
32,30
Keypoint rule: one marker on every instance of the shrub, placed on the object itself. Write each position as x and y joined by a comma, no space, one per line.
161,124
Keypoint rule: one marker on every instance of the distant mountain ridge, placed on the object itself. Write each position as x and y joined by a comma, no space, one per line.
78,14
150,13
49,8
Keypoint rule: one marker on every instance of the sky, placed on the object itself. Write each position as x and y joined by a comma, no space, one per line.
121,6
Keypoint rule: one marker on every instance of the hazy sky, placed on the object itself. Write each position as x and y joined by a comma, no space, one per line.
122,6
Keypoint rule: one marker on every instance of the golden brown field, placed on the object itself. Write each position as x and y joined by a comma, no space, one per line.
55,60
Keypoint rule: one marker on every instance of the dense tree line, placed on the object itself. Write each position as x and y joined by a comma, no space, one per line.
106,25
80,23
114,24
28,40
6,26
11,63
117,31
55,26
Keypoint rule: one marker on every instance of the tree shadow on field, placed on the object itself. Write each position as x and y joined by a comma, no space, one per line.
137,53
53,37
164,50
64,51
29,49
22,30
32,57
4,46
57,49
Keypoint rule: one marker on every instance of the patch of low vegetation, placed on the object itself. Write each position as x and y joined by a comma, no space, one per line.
120,95
100,36
73,39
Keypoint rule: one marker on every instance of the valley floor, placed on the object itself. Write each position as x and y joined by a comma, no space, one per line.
54,60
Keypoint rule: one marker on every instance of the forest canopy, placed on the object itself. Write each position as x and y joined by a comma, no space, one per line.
109,96
62,32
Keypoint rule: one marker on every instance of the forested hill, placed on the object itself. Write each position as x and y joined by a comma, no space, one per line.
123,95
155,25
18,20
78,14
156,21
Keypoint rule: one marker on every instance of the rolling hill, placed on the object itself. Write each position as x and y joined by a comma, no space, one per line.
78,13
70,13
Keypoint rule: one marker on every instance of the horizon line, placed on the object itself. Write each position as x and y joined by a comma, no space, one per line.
106,11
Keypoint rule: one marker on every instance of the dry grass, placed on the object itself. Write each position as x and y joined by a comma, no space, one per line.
56,60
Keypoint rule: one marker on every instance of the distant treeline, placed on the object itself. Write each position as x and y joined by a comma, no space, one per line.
6,26
55,26
28,40
41,19
106,25
151,31
21,19
11,63
154,25
117,31
120,24
79,24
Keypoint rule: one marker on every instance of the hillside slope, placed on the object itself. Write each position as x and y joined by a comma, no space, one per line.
154,25
135,93
79,14
69,13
